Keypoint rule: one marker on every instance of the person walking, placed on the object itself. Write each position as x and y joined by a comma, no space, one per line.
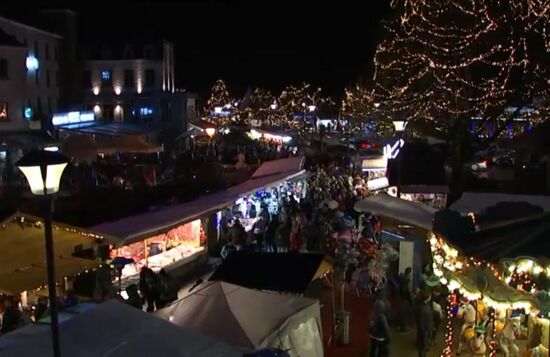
11,318
149,287
405,298
133,297
270,233
424,322
282,236
296,235
167,290
379,328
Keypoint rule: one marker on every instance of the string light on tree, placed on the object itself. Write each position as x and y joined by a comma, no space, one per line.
449,61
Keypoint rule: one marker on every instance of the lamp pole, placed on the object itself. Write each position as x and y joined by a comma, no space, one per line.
47,210
43,171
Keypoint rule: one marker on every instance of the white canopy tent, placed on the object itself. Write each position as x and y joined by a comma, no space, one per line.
114,329
472,202
251,319
409,212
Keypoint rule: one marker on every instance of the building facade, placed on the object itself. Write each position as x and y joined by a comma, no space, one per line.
33,88
13,80
134,83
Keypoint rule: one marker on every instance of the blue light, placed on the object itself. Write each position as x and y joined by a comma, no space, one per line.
106,75
28,113
32,63
145,111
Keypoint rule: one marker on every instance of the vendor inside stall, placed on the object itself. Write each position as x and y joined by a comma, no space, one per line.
162,250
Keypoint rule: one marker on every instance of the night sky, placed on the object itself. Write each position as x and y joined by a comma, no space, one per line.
260,43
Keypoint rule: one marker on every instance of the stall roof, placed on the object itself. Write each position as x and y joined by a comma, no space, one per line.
512,239
114,329
409,212
479,202
424,189
132,229
283,272
22,265
234,314
103,128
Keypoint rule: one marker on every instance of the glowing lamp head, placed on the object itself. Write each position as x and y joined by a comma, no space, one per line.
218,110
273,106
376,105
311,108
210,132
43,171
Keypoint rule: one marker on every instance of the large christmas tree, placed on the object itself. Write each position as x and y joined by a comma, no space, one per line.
450,60
220,106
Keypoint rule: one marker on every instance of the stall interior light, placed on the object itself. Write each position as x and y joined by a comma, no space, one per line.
256,135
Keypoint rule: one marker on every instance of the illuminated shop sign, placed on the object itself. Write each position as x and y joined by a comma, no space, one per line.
72,118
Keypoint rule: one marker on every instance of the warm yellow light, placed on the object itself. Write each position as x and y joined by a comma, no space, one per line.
43,171
118,90
96,90
210,132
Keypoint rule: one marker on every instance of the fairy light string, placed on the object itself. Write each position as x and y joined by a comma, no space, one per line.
446,60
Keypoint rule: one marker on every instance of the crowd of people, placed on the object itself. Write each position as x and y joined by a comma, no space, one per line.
421,307
13,315
314,223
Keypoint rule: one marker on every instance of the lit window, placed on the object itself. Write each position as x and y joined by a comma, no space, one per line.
144,111
106,75
3,110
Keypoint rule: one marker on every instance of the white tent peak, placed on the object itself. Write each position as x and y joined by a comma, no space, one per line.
409,212
243,317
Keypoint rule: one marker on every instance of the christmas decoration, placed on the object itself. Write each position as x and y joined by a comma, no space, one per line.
360,108
451,60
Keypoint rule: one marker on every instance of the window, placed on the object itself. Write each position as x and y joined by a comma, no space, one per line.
37,77
106,78
3,68
39,105
128,78
149,78
47,51
3,111
48,78
87,78
36,53
145,111
50,111
56,53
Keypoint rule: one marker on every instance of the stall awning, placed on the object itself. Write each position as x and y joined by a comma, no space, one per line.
424,189
113,129
479,202
526,237
22,253
409,212
135,228
283,272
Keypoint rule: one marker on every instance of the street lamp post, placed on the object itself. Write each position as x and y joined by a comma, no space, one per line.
43,171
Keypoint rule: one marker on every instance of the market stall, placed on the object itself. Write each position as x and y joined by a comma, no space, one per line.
250,319
22,261
273,182
431,195
161,250
176,235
